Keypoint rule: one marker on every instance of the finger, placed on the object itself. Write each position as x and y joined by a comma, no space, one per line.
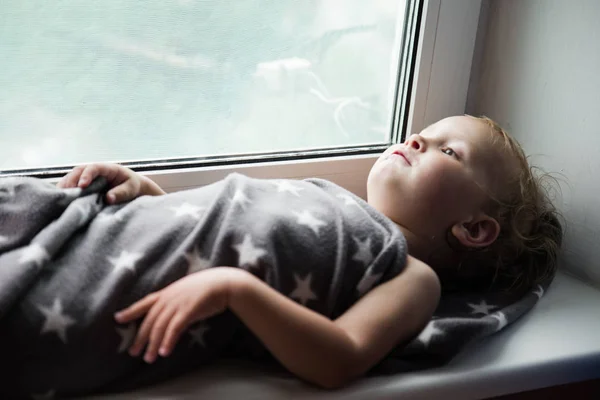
91,171
177,325
62,182
144,332
158,332
70,180
124,192
137,309
107,170
87,176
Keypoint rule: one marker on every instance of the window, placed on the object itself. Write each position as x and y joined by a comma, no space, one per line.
187,82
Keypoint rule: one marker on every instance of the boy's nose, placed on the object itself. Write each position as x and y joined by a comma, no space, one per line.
416,142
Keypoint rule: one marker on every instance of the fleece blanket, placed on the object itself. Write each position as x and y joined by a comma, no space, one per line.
68,262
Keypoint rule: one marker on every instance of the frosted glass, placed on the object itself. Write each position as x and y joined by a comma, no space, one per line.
84,81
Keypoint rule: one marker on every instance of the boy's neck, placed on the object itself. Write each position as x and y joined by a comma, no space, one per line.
432,250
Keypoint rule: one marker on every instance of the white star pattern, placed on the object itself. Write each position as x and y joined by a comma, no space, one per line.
427,333
198,335
34,252
248,254
240,197
127,335
367,283
195,261
481,308
187,209
302,290
363,253
126,260
49,395
306,218
539,293
286,186
56,321
501,320
348,200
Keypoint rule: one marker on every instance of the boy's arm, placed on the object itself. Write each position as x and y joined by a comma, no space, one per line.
332,353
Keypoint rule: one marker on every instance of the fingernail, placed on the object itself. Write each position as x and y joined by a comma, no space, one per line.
118,316
111,198
148,358
82,182
163,351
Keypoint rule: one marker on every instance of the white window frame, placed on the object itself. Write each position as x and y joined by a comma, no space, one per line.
440,87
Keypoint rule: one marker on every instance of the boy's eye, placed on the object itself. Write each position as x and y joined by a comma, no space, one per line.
449,151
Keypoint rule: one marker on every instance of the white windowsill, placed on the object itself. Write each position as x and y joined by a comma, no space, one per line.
349,172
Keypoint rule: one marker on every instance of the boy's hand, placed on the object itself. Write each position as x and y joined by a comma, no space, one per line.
125,184
170,311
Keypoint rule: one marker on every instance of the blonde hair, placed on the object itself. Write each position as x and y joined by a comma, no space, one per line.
526,250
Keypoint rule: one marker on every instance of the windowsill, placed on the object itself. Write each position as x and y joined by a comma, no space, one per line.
350,172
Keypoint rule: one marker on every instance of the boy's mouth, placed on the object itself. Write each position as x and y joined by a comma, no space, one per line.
402,155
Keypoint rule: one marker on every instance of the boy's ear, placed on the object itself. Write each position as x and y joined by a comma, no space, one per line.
480,232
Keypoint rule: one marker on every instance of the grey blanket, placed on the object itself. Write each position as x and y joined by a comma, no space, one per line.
68,262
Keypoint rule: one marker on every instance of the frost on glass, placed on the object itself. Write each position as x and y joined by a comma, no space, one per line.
84,81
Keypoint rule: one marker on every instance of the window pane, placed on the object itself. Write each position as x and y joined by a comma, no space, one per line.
110,80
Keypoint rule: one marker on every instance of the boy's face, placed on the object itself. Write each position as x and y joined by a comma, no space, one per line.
435,179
